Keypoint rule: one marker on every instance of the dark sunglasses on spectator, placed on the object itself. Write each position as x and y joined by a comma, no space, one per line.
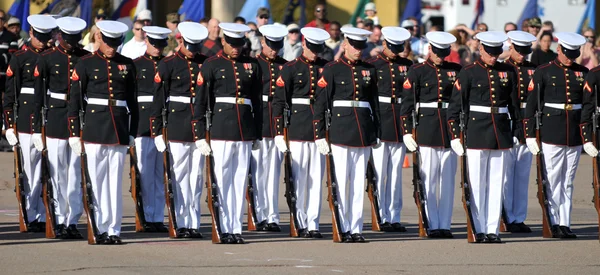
590,37
320,10
294,31
264,17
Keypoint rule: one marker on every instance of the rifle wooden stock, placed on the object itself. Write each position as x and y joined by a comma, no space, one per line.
290,191
373,197
503,219
86,185
251,203
596,181
48,192
20,189
542,194
332,187
169,196
212,197
136,191
466,194
419,193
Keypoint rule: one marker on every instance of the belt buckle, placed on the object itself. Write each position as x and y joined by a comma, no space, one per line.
240,100
112,102
393,100
494,110
354,103
568,107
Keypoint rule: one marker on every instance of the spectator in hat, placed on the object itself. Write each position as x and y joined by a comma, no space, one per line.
292,45
100,15
262,18
335,36
135,47
212,45
172,22
144,17
321,20
371,13
418,44
14,25
535,26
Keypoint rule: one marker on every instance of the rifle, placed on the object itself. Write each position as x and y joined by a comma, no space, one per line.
595,162
47,187
18,173
251,202
136,191
542,179
86,183
332,185
418,188
373,196
212,197
288,180
465,183
503,219
169,196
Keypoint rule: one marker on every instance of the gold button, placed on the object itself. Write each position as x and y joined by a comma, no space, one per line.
356,79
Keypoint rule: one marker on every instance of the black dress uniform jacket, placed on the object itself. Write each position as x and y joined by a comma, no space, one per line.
390,76
53,74
558,84
270,69
239,78
590,103
480,84
525,72
348,80
20,74
9,44
298,79
145,67
176,76
428,83
97,76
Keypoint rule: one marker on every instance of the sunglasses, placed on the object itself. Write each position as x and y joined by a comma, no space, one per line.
264,17
294,32
320,10
590,37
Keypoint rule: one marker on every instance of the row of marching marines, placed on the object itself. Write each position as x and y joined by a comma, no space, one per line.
229,121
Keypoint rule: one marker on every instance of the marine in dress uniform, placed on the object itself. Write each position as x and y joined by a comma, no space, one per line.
175,83
348,87
9,43
296,87
20,91
232,85
560,84
106,80
519,164
429,84
266,162
53,81
486,92
388,158
149,160
590,98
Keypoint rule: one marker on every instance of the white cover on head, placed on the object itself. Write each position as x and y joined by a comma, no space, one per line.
234,30
521,38
315,35
355,33
492,38
395,35
112,29
440,40
273,32
71,25
156,32
42,23
570,40
192,32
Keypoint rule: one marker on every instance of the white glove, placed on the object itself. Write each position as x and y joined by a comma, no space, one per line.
377,144
204,147
256,145
322,146
160,144
11,137
590,149
534,148
457,147
38,143
410,142
131,141
75,143
280,143
515,142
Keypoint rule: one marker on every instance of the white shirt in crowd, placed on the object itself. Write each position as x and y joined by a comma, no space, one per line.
133,49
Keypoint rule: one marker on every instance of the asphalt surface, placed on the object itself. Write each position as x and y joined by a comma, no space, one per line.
277,253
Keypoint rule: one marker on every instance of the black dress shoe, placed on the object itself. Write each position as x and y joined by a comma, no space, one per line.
160,227
398,227
273,227
347,238
557,232
195,233
61,232
358,238
73,232
315,234
446,234
238,239
182,233
479,237
493,238
523,228
386,227
33,226
150,227
115,239
262,226
103,239
227,238
513,228
434,234
41,227
303,233
567,233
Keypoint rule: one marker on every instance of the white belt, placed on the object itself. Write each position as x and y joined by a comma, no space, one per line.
58,96
350,103
523,105
182,99
489,110
436,105
145,98
265,98
301,101
563,106
3,46
387,99
27,91
107,102
234,100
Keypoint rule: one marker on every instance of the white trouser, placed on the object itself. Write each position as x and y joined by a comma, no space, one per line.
387,162
186,172
517,184
32,182
438,169
265,169
65,174
350,170
105,168
308,166
231,169
150,165
487,170
561,164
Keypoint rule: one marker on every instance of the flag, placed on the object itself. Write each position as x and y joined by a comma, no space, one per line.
192,10
529,11
288,17
20,9
412,9
478,14
589,16
359,11
125,12
83,9
251,7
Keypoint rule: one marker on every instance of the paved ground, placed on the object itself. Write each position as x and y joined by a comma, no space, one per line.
269,253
